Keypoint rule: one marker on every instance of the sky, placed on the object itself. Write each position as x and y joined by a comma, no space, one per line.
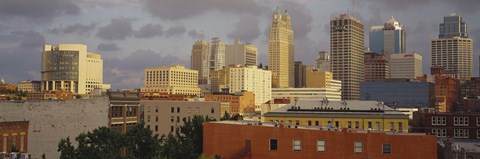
135,34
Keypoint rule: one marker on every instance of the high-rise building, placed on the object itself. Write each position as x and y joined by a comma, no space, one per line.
241,54
253,79
322,79
406,65
281,50
173,79
217,54
376,67
300,75
198,60
346,48
387,38
322,62
69,67
453,50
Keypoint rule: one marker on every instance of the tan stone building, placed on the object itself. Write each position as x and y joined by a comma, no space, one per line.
241,54
173,79
163,117
281,50
240,102
29,86
198,60
321,79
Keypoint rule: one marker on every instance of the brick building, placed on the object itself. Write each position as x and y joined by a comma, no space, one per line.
14,133
124,110
252,141
376,67
240,103
456,125
445,86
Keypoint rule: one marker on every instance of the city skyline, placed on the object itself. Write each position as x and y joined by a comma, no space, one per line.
135,35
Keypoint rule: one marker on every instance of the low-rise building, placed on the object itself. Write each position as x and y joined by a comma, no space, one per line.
50,95
29,86
14,134
164,96
266,140
332,94
124,110
239,103
443,125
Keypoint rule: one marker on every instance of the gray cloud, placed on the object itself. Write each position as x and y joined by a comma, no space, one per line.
76,28
149,31
246,29
108,47
175,31
468,6
118,29
37,10
170,9
196,35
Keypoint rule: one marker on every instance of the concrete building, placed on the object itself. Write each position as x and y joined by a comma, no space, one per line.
300,76
453,50
173,79
220,79
388,38
29,86
322,62
163,117
199,60
69,67
322,79
360,115
332,94
377,67
14,134
346,48
239,103
241,54
443,125
253,79
406,65
124,110
402,93
267,140
281,50
217,54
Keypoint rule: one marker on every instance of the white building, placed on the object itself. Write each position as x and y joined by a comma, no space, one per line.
241,54
217,54
406,65
69,67
251,78
29,86
332,94
173,79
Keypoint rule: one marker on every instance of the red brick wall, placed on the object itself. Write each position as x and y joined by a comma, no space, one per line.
14,127
227,139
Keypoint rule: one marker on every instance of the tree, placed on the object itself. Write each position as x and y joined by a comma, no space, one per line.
226,116
192,132
66,148
43,156
141,143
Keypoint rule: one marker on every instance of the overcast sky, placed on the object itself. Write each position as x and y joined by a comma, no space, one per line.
134,34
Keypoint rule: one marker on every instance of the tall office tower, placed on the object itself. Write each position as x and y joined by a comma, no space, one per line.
69,67
376,67
406,65
200,52
241,54
387,38
253,79
346,48
453,50
173,79
300,75
322,62
280,50
217,54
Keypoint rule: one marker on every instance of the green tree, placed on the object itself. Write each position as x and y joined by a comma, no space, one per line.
101,143
66,148
141,143
192,133
170,146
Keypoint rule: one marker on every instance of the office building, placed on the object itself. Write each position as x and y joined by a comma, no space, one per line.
443,125
322,62
268,140
164,117
69,67
217,54
346,48
124,110
281,50
220,80
406,65
401,93
446,88
253,79
29,86
199,60
453,50
377,67
300,74
173,79
388,38
321,79
240,102
14,134
293,94
241,54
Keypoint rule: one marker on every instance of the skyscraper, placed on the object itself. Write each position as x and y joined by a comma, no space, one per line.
346,48
387,38
300,75
406,65
241,54
200,50
376,67
322,62
217,54
281,50
453,50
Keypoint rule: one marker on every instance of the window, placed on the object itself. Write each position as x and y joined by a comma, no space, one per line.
172,109
392,125
297,122
196,110
478,134
189,110
172,119
358,147
4,143
178,119
316,123
156,109
156,128
309,123
321,145
273,145
171,128
439,132
156,118
460,121
148,118
460,133
369,125
178,109
387,148
297,145
22,140
377,125
357,125
349,125
212,110
400,126
478,121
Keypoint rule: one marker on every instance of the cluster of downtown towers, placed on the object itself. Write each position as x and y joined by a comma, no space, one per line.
453,51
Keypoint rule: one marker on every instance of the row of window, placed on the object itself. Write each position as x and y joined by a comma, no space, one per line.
457,133
457,121
321,146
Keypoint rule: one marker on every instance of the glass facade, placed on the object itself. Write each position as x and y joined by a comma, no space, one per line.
404,94
453,26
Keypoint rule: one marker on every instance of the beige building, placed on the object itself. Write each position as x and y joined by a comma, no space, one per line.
219,80
69,67
241,54
217,54
163,117
454,54
406,65
29,86
332,94
198,59
251,78
346,48
322,62
281,50
321,79
239,103
173,79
